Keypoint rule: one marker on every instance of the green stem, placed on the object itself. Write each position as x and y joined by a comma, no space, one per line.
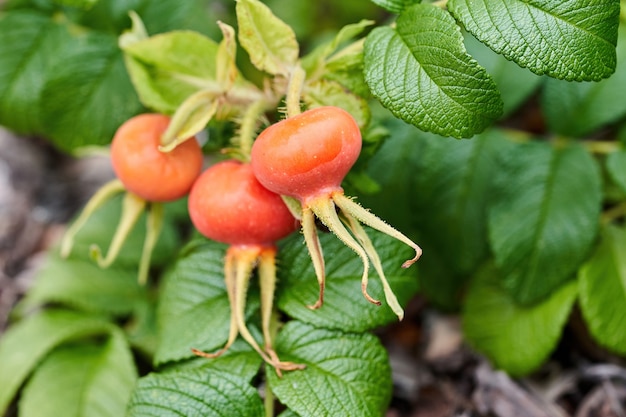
613,213
602,147
269,400
294,91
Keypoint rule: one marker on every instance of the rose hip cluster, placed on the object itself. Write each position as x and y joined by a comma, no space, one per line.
303,158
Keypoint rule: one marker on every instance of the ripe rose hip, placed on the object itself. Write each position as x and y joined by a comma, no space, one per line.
228,204
307,157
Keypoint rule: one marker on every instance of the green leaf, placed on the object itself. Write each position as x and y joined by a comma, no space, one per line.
396,6
345,374
422,73
82,380
344,306
516,338
330,93
88,95
546,217
81,284
194,311
240,359
616,167
269,41
111,16
578,109
452,194
81,4
24,344
572,40
346,68
29,42
515,84
314,62
602,286
168,68
195,393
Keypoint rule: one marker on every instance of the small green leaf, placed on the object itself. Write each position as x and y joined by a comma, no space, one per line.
578,109
345,374
572,40
81,284
396,6
516,338
314,62
195,393
194,311
330,93
168,68
88,95
616,167
269,41
602,286
346,68
190,118
82,380
28,341
422,73
545,219
515,84
344,306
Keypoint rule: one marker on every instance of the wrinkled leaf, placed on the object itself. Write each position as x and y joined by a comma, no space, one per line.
571,40
546,217
28,341
195,393
422,73
82,380
194,311
346,374
344,305
602,286
516,338
240,359
577,109
515,84
269,41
